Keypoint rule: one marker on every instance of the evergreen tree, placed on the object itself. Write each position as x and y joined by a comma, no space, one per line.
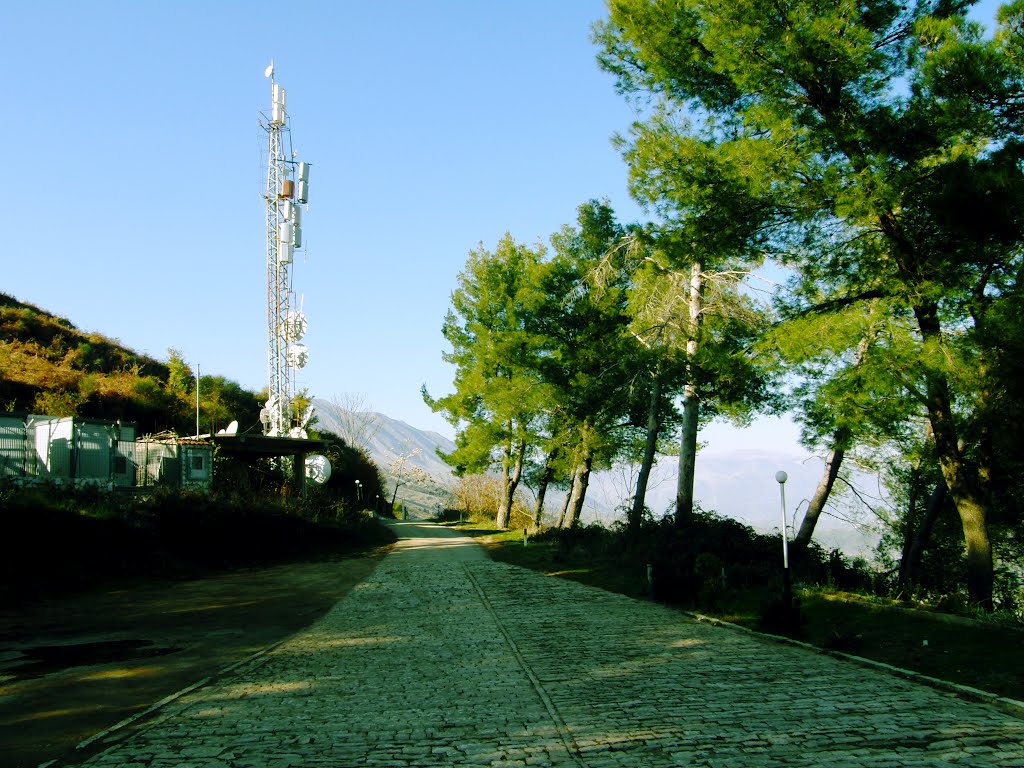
498,395
874,146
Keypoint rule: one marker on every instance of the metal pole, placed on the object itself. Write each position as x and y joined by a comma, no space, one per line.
197,399
787,589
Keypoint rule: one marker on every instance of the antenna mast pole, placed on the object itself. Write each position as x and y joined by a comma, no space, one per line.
284,327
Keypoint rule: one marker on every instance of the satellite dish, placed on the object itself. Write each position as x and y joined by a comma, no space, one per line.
295,325
269,71
297,355
232,428
318,468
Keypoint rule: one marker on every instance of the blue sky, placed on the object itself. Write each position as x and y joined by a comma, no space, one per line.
135,169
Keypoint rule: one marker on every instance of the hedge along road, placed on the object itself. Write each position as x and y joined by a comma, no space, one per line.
442,657
72,667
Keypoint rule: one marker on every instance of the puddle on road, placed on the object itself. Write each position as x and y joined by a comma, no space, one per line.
42,660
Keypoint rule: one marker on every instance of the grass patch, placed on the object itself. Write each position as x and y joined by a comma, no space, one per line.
982,654
552,558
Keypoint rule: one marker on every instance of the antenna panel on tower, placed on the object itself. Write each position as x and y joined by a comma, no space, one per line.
303,196
277,112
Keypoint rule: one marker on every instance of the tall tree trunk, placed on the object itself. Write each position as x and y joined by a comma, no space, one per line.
687,455
542,490
840,442
821,493
636,513
581,480
691,405
917,539
909,521
511,472
963,488
568,498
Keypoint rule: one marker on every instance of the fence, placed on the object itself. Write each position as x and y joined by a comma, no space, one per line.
16,460
28,454
157,462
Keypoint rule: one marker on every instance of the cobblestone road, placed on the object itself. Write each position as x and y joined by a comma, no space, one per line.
443,657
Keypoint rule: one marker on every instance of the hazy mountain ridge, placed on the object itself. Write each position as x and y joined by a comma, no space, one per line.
386,440
739,484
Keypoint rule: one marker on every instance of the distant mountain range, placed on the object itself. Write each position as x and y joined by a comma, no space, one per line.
739,484
386,441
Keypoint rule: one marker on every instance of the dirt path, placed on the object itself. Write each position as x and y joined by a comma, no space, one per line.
75,666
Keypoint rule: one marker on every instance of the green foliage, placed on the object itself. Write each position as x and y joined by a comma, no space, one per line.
495,397
221,401
348,464
707,564
498,395
876,149
180,378
56,402
981,655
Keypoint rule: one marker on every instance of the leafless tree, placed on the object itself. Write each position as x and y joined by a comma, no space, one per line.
358,425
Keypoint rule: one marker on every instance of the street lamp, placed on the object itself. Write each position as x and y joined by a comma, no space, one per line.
787,590
359,490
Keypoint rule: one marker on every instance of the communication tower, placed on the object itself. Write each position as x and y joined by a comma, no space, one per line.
286,192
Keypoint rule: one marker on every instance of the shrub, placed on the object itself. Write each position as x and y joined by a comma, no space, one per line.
66,539
688,562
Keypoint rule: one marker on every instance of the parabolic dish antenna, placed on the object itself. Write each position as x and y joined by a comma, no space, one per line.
295,325
298,355
318,468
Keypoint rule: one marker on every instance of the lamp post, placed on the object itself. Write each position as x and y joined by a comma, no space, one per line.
359,488
787,589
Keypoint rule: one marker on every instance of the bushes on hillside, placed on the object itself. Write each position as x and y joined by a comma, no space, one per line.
476,497
694,565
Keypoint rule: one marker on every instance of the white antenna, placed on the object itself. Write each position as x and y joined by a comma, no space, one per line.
284,234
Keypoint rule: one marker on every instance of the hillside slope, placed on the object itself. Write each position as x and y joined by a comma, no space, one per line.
49,366
386,441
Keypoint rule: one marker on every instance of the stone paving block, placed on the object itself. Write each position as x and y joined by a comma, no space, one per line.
443,657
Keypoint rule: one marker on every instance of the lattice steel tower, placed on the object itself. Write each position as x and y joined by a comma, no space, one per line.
287,189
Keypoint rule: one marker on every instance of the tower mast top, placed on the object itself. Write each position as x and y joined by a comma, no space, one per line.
286,191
